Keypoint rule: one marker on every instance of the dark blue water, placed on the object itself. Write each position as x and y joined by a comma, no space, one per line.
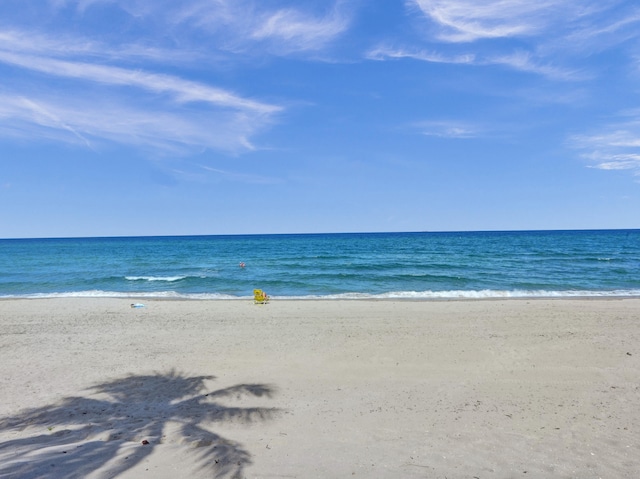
384,265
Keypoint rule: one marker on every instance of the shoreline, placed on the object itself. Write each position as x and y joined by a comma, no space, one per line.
186,298
320,388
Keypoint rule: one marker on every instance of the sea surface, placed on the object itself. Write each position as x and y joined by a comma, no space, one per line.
329,266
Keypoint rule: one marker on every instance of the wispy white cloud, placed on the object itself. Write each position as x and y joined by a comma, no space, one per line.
90,122
65,46
182,90
618,162
163,109
247,26
526,62
146,108
33,42
518,60
614,147
449,129
383,52
291,30
469,20
39,114
551,25
546,37
602,31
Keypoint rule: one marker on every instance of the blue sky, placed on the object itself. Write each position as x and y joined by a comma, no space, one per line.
158,117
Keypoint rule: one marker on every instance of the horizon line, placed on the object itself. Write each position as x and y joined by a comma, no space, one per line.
318,233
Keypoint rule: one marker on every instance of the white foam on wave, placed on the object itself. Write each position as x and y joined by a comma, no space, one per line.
155,278
482,294
396,295
488,294
118,294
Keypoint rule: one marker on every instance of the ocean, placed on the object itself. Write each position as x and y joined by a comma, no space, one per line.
511,264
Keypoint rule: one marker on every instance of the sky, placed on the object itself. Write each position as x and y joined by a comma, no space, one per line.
192,117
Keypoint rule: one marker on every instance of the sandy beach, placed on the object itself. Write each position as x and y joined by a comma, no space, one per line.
320,389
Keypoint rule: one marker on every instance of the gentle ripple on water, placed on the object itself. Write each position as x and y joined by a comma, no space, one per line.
383,265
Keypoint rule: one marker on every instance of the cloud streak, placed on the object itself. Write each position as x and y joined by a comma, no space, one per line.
614,147
383,52
248,26
114,121
550,38
292,30
162,109
517,60
448,129
147,109
182,90
469,20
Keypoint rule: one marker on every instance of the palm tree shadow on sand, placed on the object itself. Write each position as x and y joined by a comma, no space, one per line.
81,435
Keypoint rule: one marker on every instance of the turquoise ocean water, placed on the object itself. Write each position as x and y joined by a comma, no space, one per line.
332,266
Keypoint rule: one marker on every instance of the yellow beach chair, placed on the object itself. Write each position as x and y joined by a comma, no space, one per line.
260,297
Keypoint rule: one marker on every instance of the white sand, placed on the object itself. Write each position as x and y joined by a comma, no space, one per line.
320,389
